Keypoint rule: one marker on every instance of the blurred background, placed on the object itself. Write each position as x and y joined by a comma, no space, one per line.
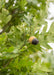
20,20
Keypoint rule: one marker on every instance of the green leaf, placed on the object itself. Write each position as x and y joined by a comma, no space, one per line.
5,17
43,38
50,36
2,3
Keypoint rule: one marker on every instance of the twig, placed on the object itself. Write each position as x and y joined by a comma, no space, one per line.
8,63
13,13
30,29
13,58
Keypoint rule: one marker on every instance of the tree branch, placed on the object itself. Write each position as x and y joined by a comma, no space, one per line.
5,65
13,13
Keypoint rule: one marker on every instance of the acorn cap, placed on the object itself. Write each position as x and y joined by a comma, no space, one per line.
31,38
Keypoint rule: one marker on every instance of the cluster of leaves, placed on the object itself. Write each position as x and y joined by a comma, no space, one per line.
20,19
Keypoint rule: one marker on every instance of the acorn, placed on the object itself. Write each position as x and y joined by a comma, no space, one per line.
33,40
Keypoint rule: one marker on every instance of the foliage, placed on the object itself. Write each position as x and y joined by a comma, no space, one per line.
20,19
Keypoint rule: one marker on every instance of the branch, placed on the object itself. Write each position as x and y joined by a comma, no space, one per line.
5,27
13,13
12,58
8,63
